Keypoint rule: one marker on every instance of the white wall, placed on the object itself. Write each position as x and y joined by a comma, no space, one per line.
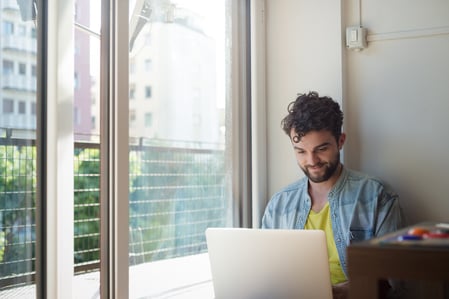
303,54
397,103
396,91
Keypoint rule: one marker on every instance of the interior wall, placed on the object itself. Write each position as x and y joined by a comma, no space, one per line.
303,53
397,101
395,93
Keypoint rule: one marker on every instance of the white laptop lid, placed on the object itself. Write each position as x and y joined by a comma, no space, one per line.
268,263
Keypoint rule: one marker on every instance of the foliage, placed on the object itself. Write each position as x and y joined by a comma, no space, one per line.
17,207
174,196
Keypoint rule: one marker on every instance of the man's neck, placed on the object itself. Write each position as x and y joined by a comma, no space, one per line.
318,191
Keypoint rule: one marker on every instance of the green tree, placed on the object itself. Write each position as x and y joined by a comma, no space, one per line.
17,208
87,205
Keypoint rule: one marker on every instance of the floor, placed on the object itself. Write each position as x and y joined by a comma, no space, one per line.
180,278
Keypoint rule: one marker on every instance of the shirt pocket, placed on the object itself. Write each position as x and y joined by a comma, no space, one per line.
359,234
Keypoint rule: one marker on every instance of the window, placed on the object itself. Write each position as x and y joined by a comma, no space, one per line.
76,80
8,106
148,119
8,67
22,107
180,173
147,92
22,69
76,12
132,67
76,116
8,28
132,117
148,65
18,175
179,167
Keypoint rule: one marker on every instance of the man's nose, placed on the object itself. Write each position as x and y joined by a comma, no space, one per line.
312,159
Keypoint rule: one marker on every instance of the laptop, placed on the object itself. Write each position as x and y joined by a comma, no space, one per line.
268,263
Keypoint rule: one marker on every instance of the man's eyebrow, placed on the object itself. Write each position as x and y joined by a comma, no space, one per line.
322,144
318,146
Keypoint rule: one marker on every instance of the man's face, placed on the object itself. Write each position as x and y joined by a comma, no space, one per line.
317,154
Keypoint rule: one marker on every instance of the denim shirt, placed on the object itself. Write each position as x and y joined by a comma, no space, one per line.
361,208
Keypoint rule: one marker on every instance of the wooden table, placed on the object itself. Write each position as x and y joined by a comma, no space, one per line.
424,263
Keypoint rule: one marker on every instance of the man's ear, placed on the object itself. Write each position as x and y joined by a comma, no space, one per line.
341,140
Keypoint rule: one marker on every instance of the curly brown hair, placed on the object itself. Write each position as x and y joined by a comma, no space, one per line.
310,112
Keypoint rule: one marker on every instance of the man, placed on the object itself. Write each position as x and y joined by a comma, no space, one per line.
349,206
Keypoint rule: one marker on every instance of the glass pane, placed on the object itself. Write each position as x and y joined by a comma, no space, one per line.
87,149
179,173
18,58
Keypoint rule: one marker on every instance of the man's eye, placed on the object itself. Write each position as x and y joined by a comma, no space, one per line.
322,149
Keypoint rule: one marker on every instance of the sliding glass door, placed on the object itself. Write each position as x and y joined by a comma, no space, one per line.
180,162
122,147
18,58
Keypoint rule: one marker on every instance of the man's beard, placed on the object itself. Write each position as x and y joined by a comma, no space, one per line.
329,169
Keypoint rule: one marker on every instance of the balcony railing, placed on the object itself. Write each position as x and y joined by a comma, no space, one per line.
174,195
19,43
18,82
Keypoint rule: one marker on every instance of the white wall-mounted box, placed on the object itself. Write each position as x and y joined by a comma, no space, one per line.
356,38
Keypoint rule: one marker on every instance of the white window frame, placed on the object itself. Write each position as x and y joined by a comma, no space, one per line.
54,216
55,268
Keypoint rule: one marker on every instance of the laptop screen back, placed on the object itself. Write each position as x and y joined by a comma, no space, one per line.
268,264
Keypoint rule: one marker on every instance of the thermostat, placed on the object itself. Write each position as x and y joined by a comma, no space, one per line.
356,38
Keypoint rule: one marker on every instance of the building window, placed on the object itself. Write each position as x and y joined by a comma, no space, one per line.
148,65
8,28
22,107
76,81
148,120
8,67
185,159
132,92
22,68
76,12
8,106
132,67
33,70
132,118
147,92
76,116
33,108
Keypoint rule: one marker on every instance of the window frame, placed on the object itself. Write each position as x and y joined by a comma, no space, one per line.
54,143
54,258
114,281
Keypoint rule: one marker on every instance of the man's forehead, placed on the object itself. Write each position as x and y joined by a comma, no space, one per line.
312,138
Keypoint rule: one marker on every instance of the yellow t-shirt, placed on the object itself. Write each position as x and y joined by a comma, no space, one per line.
322,220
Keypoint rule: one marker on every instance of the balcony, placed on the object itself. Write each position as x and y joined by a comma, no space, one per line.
19,43
18,122
9,5
18,82
175,194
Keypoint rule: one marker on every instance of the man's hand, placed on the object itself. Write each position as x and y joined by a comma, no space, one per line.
341,290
